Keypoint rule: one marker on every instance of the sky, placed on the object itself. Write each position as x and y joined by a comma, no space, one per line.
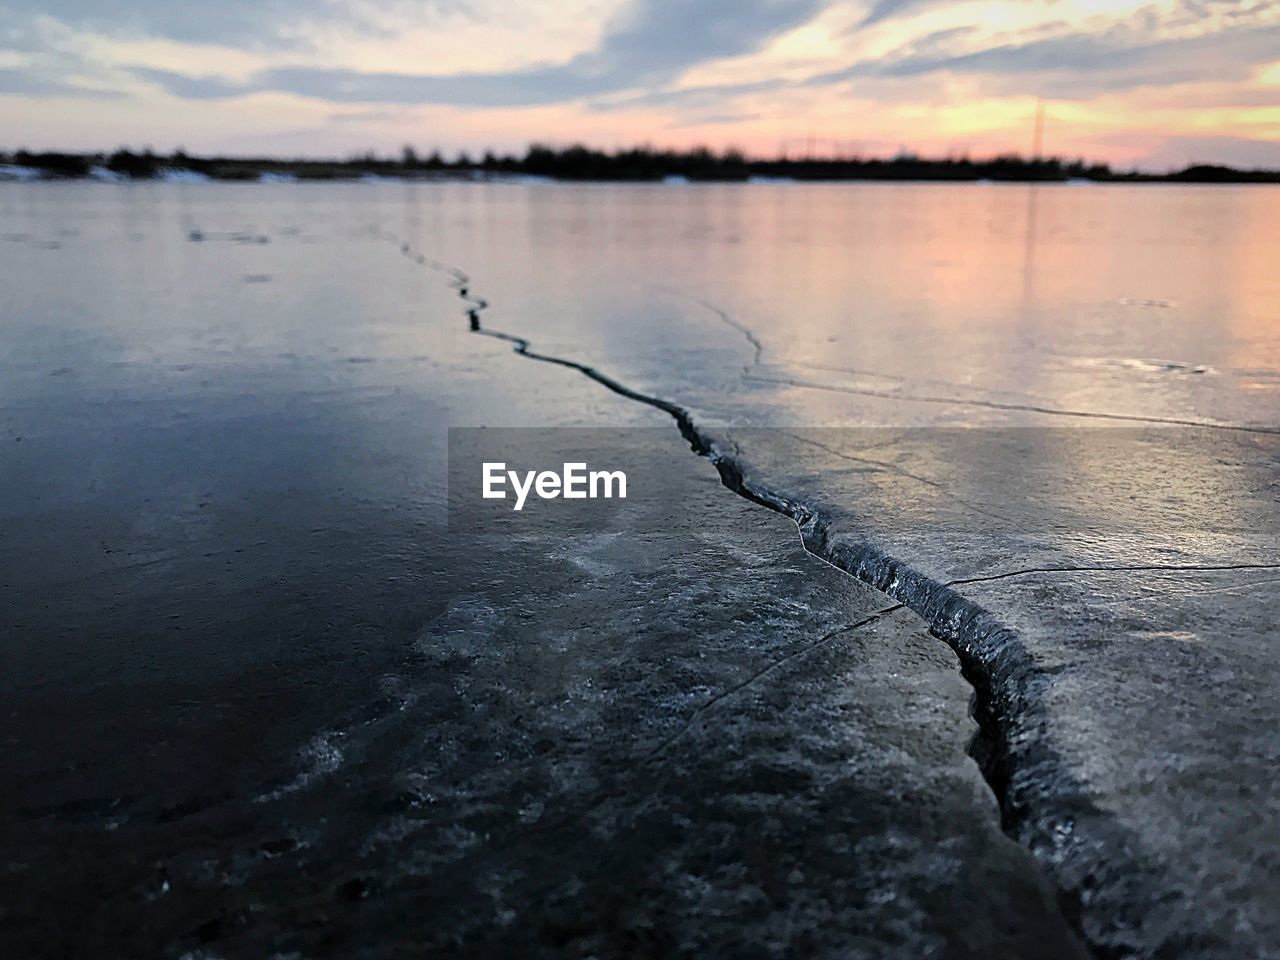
1155,83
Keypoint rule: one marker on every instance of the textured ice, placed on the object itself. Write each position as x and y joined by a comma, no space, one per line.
684,734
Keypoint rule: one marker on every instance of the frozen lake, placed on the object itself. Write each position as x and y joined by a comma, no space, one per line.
252,671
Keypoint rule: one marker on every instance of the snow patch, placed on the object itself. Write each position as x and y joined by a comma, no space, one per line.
180,175
106,175
13,171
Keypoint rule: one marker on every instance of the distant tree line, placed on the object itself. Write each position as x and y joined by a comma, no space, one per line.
635,164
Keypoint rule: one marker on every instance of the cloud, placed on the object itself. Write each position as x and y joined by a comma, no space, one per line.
27,84
667,36
918,71
192,88
1081,65
886,9
654,42
651,45
232,22
685,98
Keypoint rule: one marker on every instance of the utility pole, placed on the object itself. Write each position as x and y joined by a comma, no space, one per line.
1037,148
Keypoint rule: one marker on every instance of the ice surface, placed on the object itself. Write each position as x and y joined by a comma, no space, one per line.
987,334
223,506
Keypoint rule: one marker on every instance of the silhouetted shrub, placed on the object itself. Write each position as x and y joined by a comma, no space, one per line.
136,166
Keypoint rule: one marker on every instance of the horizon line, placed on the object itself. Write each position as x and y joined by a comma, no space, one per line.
411,156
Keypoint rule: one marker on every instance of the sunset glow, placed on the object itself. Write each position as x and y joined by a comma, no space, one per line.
1151,82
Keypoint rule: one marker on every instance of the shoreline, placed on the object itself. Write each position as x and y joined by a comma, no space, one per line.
581,166
188,178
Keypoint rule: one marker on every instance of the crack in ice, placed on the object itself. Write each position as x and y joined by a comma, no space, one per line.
1017,407
1118,568
992,657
